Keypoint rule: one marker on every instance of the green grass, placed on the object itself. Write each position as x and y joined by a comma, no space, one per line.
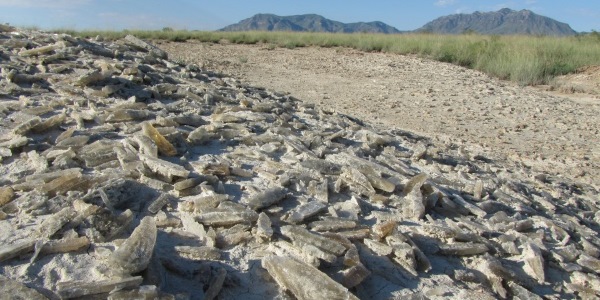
528,60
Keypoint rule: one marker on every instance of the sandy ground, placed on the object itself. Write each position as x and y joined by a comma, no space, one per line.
552,132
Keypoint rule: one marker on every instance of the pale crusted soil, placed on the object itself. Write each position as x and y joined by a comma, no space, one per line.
550,132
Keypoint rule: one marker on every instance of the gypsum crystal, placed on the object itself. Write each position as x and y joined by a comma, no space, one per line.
134,254
263,224
463,249
304,281
167,169
158,203
75,289
332,224
216,284
296,233
199,253
304,211
226,218
18,248
266,198
55,222
164,146
15,290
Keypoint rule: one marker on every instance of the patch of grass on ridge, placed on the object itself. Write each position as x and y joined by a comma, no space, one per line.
528,60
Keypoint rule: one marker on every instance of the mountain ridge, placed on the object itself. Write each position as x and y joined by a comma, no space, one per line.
307,23
502,22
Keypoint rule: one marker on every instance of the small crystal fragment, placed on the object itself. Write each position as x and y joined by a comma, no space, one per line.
134,254
164,146
266,198
304,281
381,230
74,289
264,229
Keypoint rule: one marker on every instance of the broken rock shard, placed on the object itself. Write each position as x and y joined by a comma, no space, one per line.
134,254
304,281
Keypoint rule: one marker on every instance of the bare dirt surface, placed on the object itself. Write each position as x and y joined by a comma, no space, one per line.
551,132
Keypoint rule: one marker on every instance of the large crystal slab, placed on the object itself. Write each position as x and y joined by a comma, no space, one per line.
216,284
297,233
164,146
75,289
470,207
463,249
18,248
6,195
199,253
55,222
134,254
357,182
534,262
266,198
12,289
304,281
227,218
305,211
164,168
140,44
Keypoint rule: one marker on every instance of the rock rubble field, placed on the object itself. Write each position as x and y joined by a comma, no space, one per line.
126,174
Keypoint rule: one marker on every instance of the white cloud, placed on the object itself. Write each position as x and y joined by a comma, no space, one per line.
444,2
43,3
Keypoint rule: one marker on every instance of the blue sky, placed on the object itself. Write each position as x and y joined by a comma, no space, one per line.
582,15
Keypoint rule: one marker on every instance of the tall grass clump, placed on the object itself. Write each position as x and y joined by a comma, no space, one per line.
528,60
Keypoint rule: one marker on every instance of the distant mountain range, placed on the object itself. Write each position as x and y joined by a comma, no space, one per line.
310,22
504,21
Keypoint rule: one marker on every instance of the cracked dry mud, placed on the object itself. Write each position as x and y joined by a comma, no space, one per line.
550,132
125,175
